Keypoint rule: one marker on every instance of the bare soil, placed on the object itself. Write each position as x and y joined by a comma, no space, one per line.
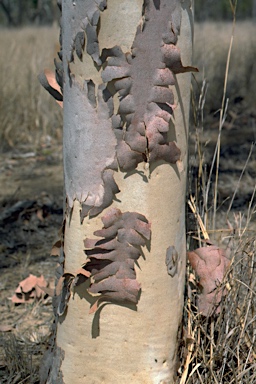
30,216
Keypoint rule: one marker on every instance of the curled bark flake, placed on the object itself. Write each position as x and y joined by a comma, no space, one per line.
142,79
110,190
30,289
111,260
89,14
210,264
117,289
48,81
172,60
127,158
66,283
81,276
63,297
90,144
56,248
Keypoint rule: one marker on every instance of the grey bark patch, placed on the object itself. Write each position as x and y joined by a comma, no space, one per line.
171,260
142,78
59,271
89,147
88,13
111,260
79,44
110,189
63,298
50,370
59,73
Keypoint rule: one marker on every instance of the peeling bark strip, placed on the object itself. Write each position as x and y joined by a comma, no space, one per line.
89,148
111,260
95,140
142,79
81,32
89,140
89,15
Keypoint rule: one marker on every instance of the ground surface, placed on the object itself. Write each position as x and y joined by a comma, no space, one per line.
30,216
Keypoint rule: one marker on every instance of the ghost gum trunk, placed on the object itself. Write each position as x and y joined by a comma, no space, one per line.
119,297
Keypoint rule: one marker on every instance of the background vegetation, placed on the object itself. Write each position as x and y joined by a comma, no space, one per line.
40,12
16,13
27,112
220,10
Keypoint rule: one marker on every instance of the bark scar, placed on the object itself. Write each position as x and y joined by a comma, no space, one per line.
171,260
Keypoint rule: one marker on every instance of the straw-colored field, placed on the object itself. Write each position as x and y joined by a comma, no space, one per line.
211,45
27,112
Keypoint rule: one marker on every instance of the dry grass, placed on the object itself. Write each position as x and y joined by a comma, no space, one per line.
21,350
221,348
27,112
20,360
211,45
30,324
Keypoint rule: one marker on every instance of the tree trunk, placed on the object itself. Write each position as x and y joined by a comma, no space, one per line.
123,255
